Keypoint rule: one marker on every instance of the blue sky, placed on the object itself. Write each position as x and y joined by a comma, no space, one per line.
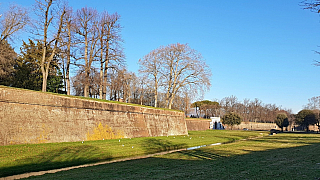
256,49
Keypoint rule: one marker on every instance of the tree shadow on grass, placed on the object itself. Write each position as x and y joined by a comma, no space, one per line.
287,139
78,155
160,145
58,158
200,154
215,162
209,163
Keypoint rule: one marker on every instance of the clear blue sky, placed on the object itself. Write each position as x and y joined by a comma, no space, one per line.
256,49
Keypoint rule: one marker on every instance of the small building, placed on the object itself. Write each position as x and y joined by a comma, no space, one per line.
216,123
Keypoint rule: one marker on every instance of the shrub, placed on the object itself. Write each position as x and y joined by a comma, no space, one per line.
104,132
231,119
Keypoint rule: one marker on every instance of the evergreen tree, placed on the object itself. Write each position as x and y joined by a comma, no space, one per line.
28,74
7,61
305,118
231,119
282,120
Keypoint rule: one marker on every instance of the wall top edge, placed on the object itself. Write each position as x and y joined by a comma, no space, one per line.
10,94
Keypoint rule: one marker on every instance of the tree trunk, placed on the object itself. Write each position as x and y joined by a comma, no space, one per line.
101,79
44,79
68,62
156,94
106,64
67,75
171,100
155,99
44,82
45,67
87,68
86,85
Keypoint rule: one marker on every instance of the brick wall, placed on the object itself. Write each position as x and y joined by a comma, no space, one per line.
35,117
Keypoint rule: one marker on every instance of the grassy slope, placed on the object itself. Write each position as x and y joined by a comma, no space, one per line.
282,156
17,159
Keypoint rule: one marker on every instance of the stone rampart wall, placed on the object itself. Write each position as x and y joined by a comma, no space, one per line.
197,125
35,117
200,125
254,126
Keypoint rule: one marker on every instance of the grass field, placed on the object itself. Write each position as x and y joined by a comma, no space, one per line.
18,159
281,156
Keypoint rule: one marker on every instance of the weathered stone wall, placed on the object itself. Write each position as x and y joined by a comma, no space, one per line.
198,125
35,117
268,126
254,126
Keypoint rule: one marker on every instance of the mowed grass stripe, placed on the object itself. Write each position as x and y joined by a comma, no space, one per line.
282,156
18,159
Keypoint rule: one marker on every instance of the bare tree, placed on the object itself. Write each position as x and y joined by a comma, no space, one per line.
245,110
313,5
120,85
68,43
181,102
79,81
253,110
141,90
229,104
182,69
110,46
313,104
46,17
255,107
12,21
150,66
142,93
134,89
185,69
86,29
127,86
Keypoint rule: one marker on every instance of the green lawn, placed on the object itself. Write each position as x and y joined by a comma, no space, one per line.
281,156
17,159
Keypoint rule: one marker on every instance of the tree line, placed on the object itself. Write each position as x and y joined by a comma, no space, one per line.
250,110
81,51
311,112
233,112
